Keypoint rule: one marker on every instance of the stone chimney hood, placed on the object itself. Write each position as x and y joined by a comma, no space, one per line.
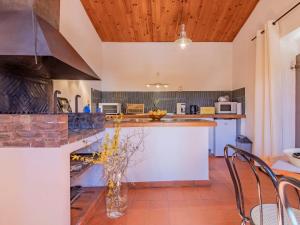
31,47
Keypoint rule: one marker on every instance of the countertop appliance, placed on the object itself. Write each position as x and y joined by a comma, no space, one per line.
194,109
181,107
135,108
207,110
239,109
110,108
224,133
226,107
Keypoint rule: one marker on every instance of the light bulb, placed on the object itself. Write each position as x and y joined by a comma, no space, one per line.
147,85
182,45
157,86
183,40
166,86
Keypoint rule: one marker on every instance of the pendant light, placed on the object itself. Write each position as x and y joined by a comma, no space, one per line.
183,40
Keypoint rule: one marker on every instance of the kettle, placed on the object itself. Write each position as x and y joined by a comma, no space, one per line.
193,109
180,108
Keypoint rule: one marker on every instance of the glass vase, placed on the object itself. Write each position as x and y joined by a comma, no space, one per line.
117,200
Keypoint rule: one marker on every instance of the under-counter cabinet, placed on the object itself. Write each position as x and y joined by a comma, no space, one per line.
211,136
224,133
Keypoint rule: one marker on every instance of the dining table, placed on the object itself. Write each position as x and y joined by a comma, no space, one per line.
271,160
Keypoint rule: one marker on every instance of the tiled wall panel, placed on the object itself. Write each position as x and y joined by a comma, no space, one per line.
96,98
238,95
20,95
167,100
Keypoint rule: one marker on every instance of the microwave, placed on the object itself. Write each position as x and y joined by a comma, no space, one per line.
226,107
110,108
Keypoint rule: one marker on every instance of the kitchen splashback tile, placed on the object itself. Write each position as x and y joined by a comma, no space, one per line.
168,99
24,95
239,95
96,98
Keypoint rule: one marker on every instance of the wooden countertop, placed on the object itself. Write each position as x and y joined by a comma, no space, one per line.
186,116
164,122
215,116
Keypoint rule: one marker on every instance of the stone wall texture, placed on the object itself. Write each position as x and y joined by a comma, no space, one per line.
33,130
48,130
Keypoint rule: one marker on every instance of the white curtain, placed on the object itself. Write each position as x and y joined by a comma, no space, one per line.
268,127
289,51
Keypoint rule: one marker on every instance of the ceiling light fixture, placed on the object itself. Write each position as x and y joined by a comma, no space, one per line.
157,84
183,40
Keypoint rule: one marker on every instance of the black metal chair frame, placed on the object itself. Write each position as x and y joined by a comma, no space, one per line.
251,160
283,183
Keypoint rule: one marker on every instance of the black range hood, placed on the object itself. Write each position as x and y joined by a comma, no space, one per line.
31,47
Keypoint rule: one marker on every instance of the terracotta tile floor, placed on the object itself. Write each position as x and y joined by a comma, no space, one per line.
212,205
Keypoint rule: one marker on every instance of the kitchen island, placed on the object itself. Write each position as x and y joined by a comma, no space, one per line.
175,151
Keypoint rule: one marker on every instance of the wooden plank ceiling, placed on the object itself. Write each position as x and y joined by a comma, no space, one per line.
159,20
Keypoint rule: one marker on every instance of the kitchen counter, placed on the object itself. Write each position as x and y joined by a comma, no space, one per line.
47,171
175,151
164,122
185,116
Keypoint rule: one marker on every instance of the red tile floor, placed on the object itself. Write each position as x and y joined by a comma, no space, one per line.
211,205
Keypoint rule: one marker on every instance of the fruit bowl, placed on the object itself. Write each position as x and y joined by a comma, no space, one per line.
289,152
157,115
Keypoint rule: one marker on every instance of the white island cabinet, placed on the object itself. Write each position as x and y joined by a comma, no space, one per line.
174,151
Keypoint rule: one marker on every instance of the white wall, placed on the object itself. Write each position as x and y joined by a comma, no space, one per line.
290,23
77,28
37,188
244,49
201,66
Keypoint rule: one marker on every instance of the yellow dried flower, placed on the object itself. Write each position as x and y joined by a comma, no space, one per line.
75,157
112,155
110,184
